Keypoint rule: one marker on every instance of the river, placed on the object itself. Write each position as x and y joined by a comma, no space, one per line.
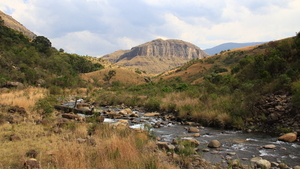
240,145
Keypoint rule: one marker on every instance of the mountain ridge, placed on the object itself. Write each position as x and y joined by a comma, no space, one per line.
157,56
229,45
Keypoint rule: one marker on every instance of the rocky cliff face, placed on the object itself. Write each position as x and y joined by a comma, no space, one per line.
158,55
13,24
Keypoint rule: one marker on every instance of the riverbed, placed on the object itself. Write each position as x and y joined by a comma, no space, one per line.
235,144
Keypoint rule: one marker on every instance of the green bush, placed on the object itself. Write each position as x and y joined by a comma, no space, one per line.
296,94
46,105
153,104
55,90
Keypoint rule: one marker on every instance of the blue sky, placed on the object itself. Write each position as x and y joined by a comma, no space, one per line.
99,27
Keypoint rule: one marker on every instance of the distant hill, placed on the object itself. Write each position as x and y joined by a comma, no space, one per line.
157,56
13,24
230,45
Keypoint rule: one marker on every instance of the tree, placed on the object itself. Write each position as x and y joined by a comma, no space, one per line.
42,44
109,75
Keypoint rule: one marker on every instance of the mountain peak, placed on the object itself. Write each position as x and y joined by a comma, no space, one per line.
159,55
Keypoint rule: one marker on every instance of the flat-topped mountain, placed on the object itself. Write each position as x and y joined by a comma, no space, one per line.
157,56
13,24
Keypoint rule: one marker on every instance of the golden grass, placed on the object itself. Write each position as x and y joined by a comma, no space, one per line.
113,148
23,98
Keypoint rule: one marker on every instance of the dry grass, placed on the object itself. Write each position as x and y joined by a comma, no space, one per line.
123,75
122,148
23,98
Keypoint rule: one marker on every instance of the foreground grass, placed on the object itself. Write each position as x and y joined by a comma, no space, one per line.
67,144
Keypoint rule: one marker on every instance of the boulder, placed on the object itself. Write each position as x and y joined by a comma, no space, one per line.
17,109
12,118
193,130
99,119
125,122
214,144
83,106
151,114
289,137
260,163
13,84
32,164
14,137
296,167
165,145
263,164
73,116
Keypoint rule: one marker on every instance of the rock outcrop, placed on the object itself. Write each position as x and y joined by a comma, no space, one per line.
13,24
158,55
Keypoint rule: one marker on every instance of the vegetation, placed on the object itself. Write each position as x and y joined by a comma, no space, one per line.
36,61
231,85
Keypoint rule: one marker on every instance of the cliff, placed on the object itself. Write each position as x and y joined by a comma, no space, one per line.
158,55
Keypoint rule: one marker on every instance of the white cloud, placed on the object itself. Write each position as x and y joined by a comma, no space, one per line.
98,27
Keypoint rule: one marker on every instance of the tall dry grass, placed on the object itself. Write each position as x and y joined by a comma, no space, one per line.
23,98
111,148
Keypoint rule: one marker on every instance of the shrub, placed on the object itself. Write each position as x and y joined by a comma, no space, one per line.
296,94
55,90
46,105
153,104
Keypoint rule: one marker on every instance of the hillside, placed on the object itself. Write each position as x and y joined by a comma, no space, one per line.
195,70
157,56
230,45
13,24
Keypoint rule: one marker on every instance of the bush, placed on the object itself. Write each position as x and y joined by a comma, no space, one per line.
55,90
153,104
46,105
296,94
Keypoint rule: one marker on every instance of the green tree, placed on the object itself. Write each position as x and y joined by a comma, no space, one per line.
109,75
42,44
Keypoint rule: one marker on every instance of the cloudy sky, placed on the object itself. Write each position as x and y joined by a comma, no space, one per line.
99,27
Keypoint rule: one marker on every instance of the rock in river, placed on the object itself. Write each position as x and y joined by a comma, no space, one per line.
289,137
214,144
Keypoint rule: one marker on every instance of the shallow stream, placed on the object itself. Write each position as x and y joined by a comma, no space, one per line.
244,146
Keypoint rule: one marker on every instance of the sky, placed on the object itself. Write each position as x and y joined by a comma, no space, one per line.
99,27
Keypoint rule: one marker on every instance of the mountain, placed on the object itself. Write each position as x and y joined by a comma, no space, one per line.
230,45
157,56
13,24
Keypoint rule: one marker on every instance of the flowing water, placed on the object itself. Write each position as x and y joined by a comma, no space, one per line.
244,145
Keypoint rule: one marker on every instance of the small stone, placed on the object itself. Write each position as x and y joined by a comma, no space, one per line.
231,153
283,148
215,152
270,146
205,150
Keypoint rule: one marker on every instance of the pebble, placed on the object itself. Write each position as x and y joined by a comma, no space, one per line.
231,153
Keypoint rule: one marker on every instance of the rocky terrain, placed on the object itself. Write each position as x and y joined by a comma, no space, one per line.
277,114
157,56
13,24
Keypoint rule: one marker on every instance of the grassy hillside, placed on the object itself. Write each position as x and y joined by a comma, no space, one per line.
222,90
36,62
